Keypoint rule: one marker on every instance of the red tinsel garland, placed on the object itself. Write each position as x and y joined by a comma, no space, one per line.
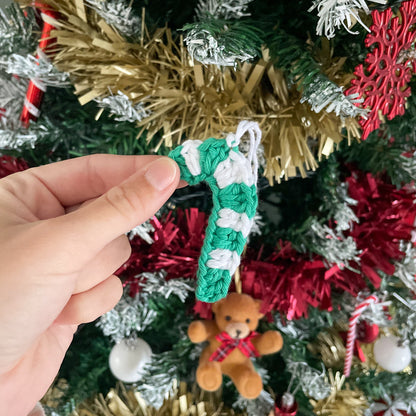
10,164
288,281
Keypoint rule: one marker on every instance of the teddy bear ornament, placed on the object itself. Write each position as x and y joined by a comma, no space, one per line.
232,342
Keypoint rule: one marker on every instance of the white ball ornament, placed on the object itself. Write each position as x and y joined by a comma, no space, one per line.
128,358
392,354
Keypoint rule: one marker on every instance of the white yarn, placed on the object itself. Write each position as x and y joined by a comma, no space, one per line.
253,129
228,218
190,153
224,259
235,169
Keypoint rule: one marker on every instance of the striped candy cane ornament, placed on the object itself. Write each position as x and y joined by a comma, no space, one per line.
36,88
352,331
232,178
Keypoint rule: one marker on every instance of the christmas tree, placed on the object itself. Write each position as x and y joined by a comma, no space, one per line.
330,256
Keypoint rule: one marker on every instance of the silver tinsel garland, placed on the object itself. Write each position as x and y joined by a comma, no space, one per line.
129,316
405,320
336,13
35,68
334,247
406,268
14,138
143,231
16,30
133,315
118,13
121,106
204,48
314,383
162,372
343,214
261,406
322,94
222,9
156,284
12,96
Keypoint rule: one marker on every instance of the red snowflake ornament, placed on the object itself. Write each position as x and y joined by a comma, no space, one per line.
382,80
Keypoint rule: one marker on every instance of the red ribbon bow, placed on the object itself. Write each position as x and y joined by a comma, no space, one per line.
229,344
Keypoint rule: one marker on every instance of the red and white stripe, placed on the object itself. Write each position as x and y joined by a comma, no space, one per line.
352,331
36,88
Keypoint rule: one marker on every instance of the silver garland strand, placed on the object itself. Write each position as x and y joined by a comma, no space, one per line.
156,284
257,226
12,96
156,385
129,316
344,216
12,138
16,30
35,68
121,106
408,164
261,406
336,13
132,315
204,48
119,14
301,329
161,374
314,383
322,94
143,231
334,247
222,9
406,268
405,320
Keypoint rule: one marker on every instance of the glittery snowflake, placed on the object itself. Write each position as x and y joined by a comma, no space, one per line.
382,80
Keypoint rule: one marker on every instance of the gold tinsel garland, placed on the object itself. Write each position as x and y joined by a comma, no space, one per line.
329,347
189,100
121,401
342,401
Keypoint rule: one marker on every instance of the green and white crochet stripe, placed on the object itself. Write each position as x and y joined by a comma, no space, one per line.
232,178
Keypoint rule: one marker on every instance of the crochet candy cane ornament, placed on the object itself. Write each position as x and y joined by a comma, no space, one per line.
232,178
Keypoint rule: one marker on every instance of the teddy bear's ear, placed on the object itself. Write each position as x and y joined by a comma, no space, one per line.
258,303
216,305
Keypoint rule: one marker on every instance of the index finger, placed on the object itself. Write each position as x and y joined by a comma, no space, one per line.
76,180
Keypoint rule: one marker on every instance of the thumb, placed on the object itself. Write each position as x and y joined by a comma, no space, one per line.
124,206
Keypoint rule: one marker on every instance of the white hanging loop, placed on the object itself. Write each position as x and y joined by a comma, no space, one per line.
253,129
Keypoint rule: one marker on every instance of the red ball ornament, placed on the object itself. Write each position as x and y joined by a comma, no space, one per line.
367,333
286,405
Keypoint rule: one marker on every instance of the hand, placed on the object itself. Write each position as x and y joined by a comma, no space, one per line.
62,236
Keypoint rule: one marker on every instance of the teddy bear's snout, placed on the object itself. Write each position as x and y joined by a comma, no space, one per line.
237,330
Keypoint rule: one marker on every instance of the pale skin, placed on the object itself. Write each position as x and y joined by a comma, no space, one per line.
62,236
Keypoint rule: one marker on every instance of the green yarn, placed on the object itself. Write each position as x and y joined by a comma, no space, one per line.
213,283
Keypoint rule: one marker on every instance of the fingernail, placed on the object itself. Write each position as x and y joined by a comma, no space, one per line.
161,173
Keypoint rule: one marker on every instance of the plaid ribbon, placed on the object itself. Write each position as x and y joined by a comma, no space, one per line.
229,344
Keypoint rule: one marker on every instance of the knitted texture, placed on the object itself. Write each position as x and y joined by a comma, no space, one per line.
233,181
